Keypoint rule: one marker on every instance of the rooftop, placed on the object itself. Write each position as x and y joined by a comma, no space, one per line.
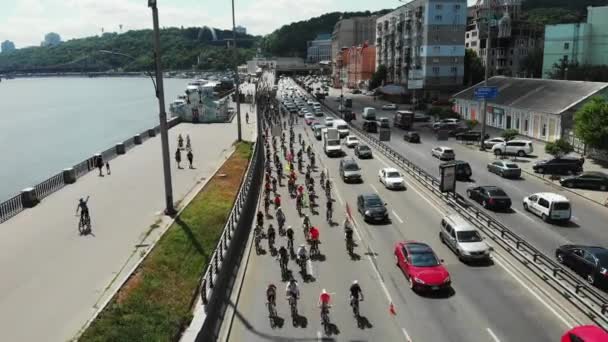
533,93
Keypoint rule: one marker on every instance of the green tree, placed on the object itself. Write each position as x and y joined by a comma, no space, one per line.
447,113
471,124
509,134
558,148
591,123
378,77
474,71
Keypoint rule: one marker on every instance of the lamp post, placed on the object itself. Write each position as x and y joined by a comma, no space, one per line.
485,82
236,78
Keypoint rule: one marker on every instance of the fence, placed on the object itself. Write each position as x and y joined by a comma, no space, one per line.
15,205
583,296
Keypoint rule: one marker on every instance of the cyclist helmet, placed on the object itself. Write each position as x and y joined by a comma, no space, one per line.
81,199
323,291
355,282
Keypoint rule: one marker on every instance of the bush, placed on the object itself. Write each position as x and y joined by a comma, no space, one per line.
558,148
509,134
471,124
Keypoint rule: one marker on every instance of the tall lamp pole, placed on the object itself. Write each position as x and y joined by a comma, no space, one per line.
162,115
485,82
236,78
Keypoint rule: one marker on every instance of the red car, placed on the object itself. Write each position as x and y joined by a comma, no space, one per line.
585,333
424,270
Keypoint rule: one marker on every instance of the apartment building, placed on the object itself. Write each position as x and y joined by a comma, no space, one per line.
348,33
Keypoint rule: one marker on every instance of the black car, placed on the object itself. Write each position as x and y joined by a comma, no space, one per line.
591,262
411,136
372,208
564,165
469,136
463,169
587,180
490,197
370,126
363,151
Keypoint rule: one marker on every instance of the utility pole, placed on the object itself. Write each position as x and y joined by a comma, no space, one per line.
162,115
485,82
236,78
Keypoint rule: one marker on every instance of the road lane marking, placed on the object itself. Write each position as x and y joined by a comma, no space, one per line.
494,337
524,215
407,336
375,189
309,268
319,336
339,197
397,216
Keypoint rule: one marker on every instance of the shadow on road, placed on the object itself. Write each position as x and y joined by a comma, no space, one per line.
364,323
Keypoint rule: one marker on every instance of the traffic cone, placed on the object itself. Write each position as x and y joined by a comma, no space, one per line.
391,309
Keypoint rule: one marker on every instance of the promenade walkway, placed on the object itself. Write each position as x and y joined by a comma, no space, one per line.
53,279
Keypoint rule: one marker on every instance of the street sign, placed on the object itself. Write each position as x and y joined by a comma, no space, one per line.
486,92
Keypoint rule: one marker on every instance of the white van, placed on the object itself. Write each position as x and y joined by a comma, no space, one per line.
549,206
369,113
342,127
462,238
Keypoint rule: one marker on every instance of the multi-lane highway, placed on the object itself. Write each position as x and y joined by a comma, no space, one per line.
488,302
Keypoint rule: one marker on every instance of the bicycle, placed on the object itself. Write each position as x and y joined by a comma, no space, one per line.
354,303
350,245
84,224
314,248
272,309
325,317
329,215
293,305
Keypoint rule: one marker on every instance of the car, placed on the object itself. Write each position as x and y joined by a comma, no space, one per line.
563,165
363,151
462,238
391,178
411,136
443,153
463,169
490,197
445,122
370,126
585,333
318,112
419,117
521,148
372,208
548,206
309,118
384,123
590,262
468,136
423,269
349,170
489,143
505,169
587,180
351,141
391,106
356,91
329,121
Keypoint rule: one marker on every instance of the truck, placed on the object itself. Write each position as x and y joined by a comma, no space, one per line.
342,127
331,142
369,113
403,119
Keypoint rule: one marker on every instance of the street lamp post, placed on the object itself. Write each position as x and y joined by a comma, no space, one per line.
485,82
236,78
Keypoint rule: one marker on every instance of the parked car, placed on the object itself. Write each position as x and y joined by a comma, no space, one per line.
462,238
548,206
372,208
370,126
585,333
391,106
505,169
521,148
422,268
411,136
391,178
468,136
443,122
349,170
490,197
351,141
363,151
563,165
463,169
356,91
384,123
587,180
489,143
419,117
443,153
591,262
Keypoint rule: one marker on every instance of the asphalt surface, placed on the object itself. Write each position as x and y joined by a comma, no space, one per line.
486,303
589,219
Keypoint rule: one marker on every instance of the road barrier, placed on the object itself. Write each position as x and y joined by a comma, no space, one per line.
582,295
17,203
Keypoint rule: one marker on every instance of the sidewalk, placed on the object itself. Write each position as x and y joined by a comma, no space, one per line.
54,279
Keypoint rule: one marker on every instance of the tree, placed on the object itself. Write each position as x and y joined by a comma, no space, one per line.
378,77
474,71
51,39
509,134
471,124
532,64
7,46
558,148
591,123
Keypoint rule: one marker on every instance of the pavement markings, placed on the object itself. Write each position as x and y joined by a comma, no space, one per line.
319,336
397,216
309,268
494,337
524,215
375,189
407,336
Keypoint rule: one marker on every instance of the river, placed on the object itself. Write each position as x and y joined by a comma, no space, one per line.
47,124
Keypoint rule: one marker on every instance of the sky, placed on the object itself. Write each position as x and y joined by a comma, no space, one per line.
25,22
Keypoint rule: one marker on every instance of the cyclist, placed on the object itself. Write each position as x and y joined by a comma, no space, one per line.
355,291
266,204
257,233
329,206
271,294
277,201
292,290
283,257
306,225
271,236
84,209
290,238
260,217
312,159
324,300
280,218
314,239
323,179
299,203
274,184
327,188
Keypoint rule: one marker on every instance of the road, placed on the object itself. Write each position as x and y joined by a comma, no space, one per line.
487,303
589,219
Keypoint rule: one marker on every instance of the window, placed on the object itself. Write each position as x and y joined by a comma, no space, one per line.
454,69
435,60
466,45
526,125
467,35
438,17
474,43
474,33
589,258
435,70
543,203
436,49
511,52
456,8
439,6
544,130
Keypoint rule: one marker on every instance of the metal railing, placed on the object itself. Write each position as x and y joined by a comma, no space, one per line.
49,186
10,208
570,286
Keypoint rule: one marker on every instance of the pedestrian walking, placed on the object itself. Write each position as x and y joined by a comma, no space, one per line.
190,158
180,141
247,117
108,168
178,157
99,164
188,145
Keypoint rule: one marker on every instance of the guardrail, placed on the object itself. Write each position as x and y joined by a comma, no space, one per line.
580,294
15,204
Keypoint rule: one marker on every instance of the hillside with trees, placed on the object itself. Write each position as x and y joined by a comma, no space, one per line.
182,48
549,12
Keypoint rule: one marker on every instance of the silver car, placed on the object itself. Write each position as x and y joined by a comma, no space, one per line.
505,169
443,153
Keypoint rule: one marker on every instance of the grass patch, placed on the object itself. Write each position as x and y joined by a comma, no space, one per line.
154,304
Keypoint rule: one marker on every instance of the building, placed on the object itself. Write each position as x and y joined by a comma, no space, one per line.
422,45
582,43
319,49
511,37
240,30
348,33
523,104
355,66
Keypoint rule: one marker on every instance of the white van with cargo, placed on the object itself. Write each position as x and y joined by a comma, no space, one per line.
342,127
549,206
369,113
